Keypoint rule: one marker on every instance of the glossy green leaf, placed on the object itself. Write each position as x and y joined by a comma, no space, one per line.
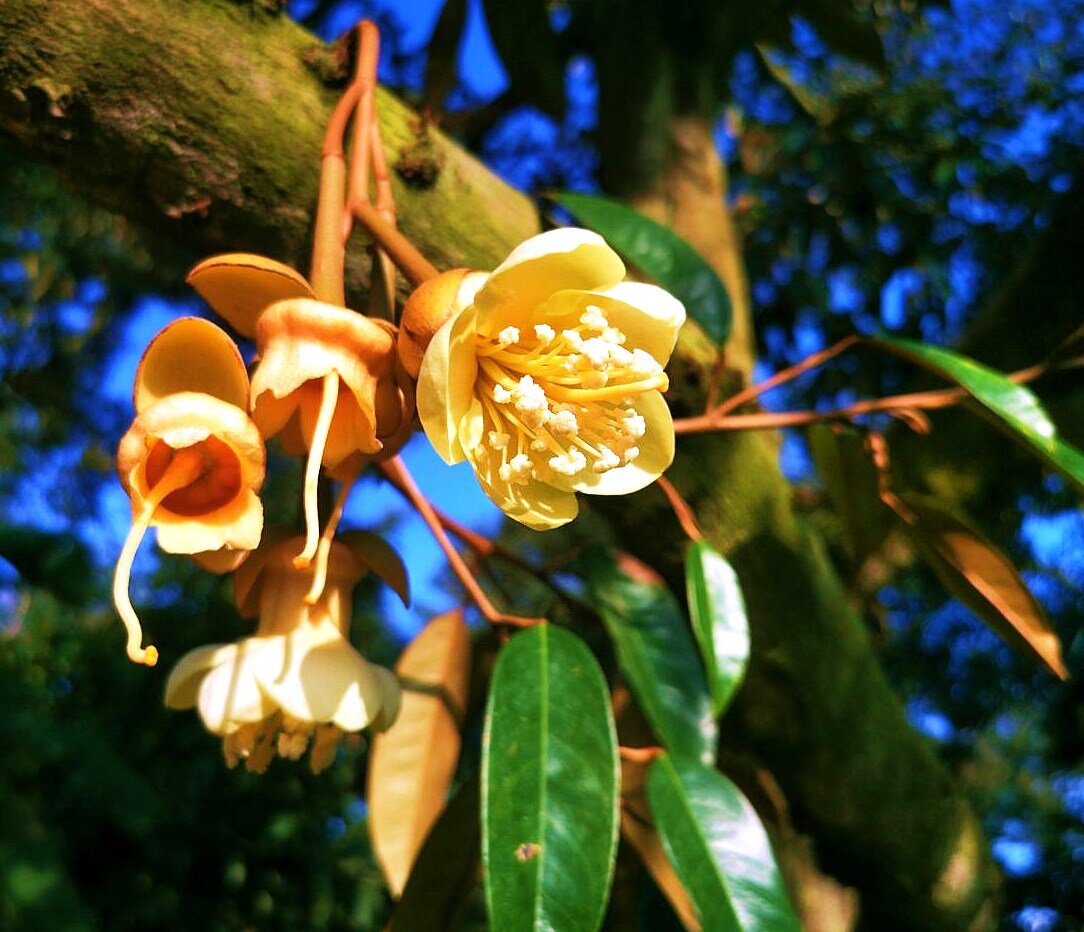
550,782
656,654
659,253
719,848
1010,407
978,574
720,624
445,868
851,481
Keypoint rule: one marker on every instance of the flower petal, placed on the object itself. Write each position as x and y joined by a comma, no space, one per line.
182,686
323,679
537,504
237,525
649,316
391,694
552,261
239,286
229,696
656,453
446,384
191,355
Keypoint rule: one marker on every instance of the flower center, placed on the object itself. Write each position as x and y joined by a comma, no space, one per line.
556,403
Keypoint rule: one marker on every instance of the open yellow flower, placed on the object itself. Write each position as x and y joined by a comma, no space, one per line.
548,378
297,684
328,382
192,462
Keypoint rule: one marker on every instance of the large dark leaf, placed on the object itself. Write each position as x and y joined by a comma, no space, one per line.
549,785
981,576
719,848
852,482
659,253
56,562
1012,408
720,624
656,654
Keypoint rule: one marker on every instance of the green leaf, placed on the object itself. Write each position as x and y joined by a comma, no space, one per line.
656,654
549,785
58,563
720,624
659,253
1012,408
851,480
978,574
719,848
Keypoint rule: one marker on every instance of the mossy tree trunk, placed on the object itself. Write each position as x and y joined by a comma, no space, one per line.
201,121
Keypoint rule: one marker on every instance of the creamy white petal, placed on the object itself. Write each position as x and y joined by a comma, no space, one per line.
229,696
656,453
552,261
182,686
446,384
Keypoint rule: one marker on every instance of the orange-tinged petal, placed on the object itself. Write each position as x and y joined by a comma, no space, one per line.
302,341
241,286
191,355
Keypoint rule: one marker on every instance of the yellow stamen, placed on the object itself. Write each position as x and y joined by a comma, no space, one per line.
323,549
184,468
312,468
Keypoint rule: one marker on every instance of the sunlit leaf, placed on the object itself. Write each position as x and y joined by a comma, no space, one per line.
444,871
656,654
659,253
719,848
549,785
638,829
413,762
982,577
717,609
1012,408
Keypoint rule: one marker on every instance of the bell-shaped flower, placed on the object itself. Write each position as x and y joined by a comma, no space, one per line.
297,684
328,383
192,462
548,376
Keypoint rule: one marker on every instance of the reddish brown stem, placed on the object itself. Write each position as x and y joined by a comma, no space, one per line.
682,511
639,755
400,476
810,362
414,266
926,401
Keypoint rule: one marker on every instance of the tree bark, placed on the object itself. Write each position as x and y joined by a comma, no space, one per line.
202,121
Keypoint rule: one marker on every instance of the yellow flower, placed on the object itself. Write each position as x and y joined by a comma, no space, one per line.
297,684
192,462
548,378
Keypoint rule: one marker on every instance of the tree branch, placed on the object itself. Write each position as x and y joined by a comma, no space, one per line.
202,121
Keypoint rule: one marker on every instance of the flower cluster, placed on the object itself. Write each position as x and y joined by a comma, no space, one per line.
193,464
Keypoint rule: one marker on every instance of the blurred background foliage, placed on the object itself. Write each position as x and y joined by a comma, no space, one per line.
892,167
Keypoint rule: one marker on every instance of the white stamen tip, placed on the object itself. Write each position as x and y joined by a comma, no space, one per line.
508,336
544,332
498,440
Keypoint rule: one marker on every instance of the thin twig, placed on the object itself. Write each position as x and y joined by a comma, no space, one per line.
400,476
682,511
893,404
